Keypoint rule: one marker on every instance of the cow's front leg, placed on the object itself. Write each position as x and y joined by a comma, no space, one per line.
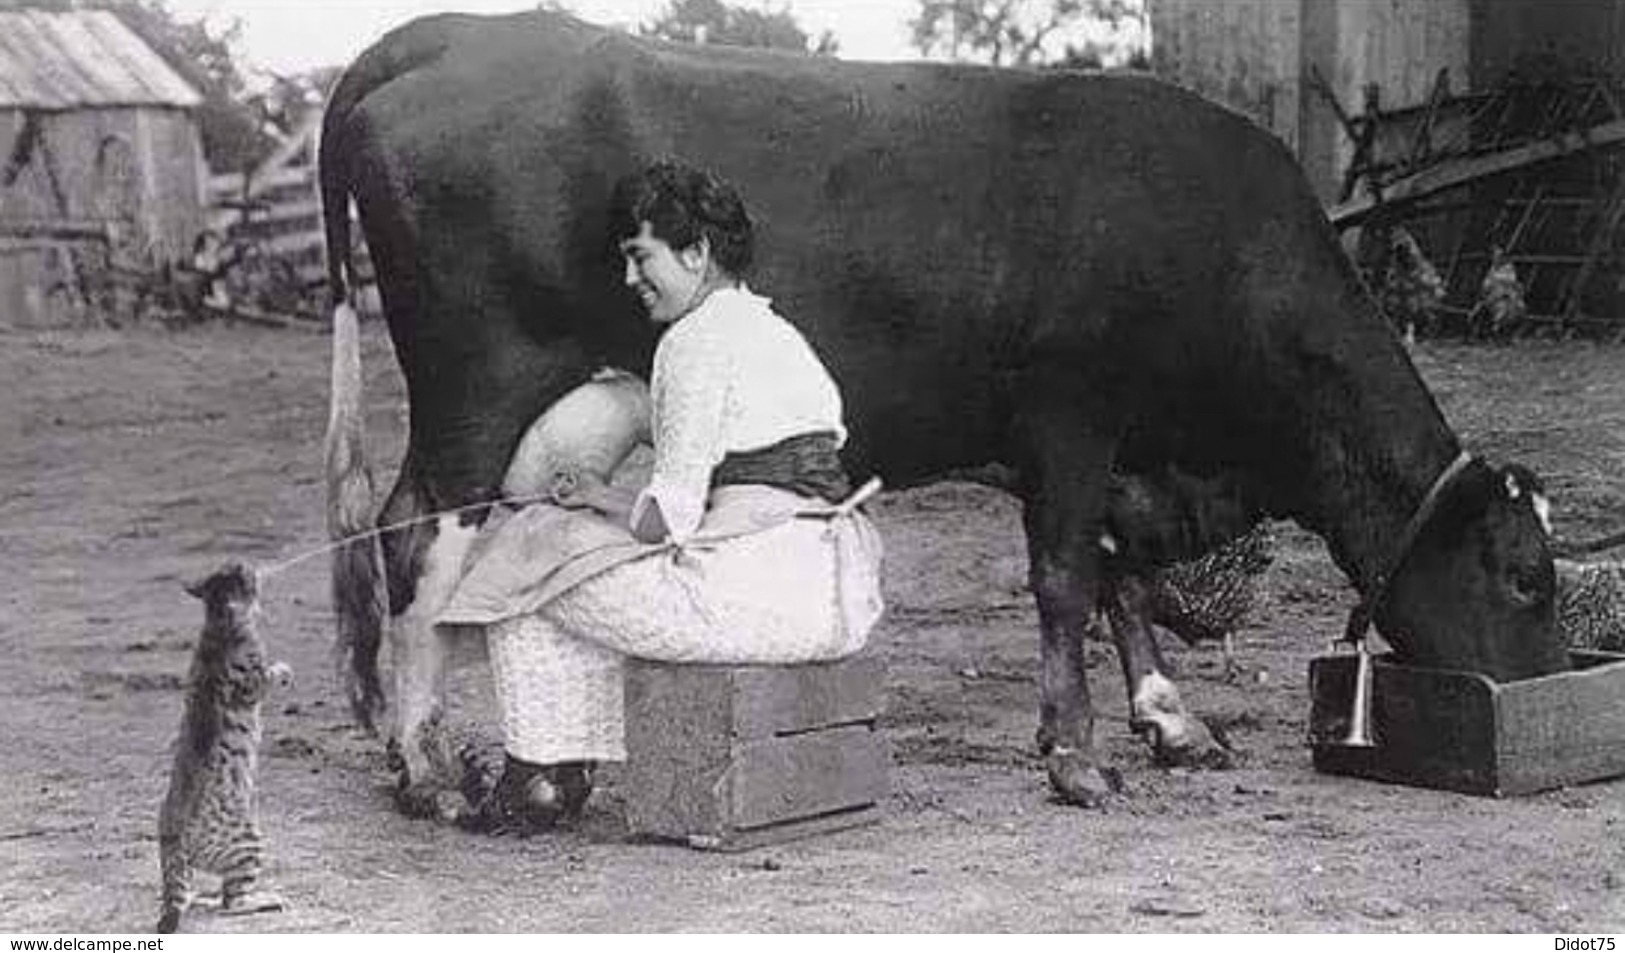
1178,737
421,654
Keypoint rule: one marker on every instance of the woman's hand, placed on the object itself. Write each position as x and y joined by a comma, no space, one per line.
582,490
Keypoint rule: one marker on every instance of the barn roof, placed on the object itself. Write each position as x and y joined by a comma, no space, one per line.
85,58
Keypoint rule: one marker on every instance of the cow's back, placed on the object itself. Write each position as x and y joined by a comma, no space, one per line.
934,229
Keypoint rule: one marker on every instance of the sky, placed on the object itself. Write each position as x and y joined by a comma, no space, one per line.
287,36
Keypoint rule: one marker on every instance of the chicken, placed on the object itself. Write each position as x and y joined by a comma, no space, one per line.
1208,598
1591,604
1198,543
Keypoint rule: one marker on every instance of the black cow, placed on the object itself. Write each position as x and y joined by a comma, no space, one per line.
1062,273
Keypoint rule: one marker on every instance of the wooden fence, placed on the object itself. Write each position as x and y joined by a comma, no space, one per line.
271,225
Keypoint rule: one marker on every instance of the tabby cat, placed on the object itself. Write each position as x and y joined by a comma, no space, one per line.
210,819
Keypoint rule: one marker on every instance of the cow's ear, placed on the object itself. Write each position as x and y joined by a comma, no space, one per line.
1521,484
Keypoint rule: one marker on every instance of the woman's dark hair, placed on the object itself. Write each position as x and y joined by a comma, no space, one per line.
682,205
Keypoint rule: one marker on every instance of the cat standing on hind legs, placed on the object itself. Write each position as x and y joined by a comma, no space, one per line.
210,818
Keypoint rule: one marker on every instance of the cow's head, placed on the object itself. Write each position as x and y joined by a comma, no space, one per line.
1475,592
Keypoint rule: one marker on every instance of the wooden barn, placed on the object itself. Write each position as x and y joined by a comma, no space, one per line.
1483,139
102,161
1267,57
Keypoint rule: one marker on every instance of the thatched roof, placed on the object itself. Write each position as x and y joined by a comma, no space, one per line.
82,59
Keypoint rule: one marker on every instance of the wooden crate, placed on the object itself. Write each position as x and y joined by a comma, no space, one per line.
728,757
1461,731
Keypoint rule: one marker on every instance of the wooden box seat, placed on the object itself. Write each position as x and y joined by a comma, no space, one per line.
730,757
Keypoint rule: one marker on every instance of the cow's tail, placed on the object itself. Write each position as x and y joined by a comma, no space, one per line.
397,54
359,582
360,596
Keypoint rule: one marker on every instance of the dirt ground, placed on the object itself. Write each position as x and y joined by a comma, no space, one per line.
132,461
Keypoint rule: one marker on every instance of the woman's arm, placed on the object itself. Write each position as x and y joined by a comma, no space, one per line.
689,389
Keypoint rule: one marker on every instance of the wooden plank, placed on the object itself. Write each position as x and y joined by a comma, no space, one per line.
1564,729
295,242
776,779
756,701
677,749
226,183
300,142
779,699
1602,241
252,315
63,229
1450,174
738,841
1428,731
296,207
230,185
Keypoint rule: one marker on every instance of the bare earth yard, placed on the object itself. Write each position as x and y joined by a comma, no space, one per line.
132,461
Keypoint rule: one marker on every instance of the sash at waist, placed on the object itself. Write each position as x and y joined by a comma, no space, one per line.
807,464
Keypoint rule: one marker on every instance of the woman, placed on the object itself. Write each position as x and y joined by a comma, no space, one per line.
738,550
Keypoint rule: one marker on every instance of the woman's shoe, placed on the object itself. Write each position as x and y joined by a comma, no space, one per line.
531,798
573,782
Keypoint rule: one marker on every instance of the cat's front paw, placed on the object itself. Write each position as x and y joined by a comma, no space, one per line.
259,901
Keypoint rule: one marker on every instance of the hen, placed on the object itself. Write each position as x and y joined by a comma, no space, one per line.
1208,598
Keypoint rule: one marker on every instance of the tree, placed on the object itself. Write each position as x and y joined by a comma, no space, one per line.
1032,32
712,21
233,137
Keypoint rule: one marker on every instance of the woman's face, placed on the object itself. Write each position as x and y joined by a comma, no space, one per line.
667,280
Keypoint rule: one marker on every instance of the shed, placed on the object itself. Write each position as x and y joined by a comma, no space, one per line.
102,159
1262,56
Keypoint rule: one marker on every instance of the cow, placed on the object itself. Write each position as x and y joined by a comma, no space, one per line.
1069,275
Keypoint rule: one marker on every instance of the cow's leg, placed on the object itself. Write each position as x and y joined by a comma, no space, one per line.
1177,736
1064,491
425,563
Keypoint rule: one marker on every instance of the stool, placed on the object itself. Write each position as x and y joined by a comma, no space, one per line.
731,757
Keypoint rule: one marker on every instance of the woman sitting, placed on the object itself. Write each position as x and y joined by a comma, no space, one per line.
744,547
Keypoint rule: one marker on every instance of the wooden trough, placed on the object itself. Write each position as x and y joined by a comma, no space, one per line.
1461,731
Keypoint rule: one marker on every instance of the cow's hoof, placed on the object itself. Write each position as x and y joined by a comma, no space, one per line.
1192,745
418,799
1077,781
450,806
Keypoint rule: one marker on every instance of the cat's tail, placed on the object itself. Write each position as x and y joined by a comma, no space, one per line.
174,871
360,594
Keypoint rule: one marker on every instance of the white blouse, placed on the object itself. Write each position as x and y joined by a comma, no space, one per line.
729,376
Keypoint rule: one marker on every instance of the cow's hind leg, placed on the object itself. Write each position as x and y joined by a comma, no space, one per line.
432,556
1177,736
1063,485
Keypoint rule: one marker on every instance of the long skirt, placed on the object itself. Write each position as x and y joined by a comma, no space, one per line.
803,590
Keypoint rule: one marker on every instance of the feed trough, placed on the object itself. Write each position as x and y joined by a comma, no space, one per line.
1461,731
